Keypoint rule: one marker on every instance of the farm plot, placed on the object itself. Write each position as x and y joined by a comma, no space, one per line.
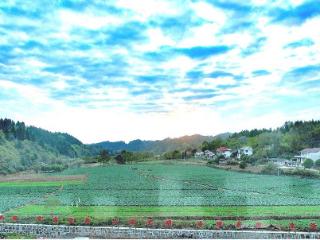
185,185
20,190
167,191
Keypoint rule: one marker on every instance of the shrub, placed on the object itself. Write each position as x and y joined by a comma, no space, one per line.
232,162
53,168
317,163
242,165
308,163
214,161
270,168
304,173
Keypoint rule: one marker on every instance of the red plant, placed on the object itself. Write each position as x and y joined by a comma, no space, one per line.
219,224
71,220
87,221
292,227
132,221
199,224
14,218
313,226
238,224
55,219
258,225
1,218
115,221
39,218
168,223
149,222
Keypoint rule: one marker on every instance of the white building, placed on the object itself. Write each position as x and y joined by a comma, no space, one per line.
208,154
205,155
199,155
310,153
248,151
282,162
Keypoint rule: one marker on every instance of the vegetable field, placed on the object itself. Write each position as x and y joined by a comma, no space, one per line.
165,190
185,185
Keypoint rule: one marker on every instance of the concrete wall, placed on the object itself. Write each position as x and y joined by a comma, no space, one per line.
63,231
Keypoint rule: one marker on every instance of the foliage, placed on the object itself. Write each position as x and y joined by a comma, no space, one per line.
270,168
317,163
232,162
308,163
303,172
173,155
214,161
285,141
24,148
242,165
120,159
104,156
213,145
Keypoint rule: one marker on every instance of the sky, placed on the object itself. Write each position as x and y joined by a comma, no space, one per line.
148,69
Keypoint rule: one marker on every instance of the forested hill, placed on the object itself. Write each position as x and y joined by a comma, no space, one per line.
23,148
159,146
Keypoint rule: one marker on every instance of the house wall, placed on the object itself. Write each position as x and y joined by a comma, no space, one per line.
313,156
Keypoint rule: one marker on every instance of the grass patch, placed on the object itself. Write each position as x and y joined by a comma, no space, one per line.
103,212
102,215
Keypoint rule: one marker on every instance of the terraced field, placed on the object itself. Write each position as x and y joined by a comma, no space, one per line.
166,190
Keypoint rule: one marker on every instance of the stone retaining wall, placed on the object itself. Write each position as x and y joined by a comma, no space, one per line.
64,231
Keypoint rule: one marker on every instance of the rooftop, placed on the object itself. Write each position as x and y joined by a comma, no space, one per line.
310,150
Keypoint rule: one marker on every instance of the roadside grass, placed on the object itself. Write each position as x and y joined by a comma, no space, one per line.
103,215
16,236
103,212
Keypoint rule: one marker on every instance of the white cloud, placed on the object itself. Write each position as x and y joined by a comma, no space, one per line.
143,9
102,75
203,35
70,19
157,39
209,13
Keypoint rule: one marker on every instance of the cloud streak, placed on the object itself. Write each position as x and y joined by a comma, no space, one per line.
161,61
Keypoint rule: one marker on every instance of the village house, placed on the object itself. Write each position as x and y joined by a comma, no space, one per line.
307,153
310,153
199,155
208,154
282,162
205,155
224,151
247,151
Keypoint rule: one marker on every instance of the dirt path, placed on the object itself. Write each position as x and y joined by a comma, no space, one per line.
42,178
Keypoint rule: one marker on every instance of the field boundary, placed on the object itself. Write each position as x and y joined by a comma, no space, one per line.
36,178
64,231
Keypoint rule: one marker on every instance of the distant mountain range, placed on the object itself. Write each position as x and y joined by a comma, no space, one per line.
26,147
158,146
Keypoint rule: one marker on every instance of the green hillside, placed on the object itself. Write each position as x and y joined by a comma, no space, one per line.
23,148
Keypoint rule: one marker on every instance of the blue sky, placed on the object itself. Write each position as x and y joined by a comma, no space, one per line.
121,70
